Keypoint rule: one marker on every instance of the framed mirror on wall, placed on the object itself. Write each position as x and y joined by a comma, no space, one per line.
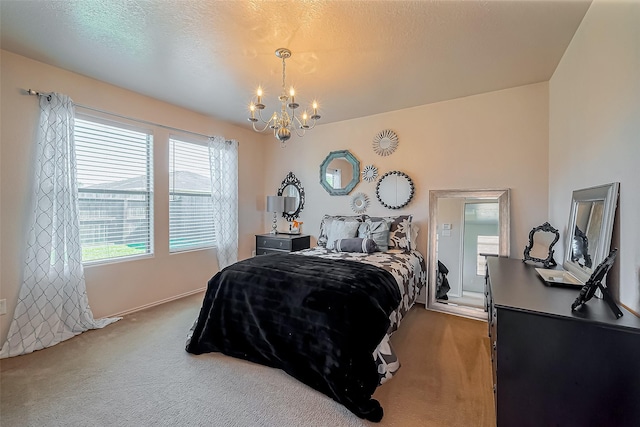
394,190
291,187
465,226
339,173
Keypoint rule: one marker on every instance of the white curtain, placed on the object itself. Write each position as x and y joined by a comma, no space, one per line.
223,161
52,303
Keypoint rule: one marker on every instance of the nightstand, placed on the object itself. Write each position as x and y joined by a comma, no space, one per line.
273,243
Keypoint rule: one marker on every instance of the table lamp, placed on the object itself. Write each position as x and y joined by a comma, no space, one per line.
275,204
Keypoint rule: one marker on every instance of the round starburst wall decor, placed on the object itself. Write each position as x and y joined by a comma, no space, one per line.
370,173
359,203
385,142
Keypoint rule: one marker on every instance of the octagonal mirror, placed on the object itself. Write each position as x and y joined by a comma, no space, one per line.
339,173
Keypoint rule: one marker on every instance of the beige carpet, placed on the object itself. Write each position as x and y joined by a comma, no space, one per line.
136,373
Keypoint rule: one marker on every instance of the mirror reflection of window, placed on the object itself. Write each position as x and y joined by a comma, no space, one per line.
334,178
480,237
292,191
489,245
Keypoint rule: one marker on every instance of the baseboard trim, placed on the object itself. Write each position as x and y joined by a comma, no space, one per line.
631,311
153,304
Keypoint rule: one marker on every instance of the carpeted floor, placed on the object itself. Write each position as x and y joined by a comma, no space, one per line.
136,373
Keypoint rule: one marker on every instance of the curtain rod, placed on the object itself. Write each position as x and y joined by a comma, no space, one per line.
37,93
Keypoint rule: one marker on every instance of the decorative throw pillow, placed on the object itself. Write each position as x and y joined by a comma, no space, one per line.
328,219
355,244
399,231
378,231
341,230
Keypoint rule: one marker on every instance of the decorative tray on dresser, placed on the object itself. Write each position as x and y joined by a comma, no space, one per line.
272,243
553,366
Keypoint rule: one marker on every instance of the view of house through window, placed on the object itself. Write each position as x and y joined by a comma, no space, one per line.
190,204
486,245
115,187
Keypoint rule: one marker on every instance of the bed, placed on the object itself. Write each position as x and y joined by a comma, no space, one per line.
323,316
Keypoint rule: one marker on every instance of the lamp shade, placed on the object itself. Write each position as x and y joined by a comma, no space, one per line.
275,204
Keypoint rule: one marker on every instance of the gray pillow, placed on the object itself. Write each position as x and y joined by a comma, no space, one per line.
337,230
328,219
355,244
378,231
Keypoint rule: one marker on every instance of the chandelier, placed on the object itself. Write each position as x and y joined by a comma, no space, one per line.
283,123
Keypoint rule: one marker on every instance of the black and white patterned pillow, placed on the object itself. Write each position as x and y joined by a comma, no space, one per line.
327,219
399,231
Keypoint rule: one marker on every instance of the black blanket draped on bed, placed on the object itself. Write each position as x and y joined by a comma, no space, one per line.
317,319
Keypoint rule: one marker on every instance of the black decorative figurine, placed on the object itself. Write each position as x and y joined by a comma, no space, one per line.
549,261
595,282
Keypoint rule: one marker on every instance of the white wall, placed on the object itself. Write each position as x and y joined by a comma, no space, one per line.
594,129
493,140
121,286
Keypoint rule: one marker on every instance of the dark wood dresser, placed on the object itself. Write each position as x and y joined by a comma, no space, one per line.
272,243
555,367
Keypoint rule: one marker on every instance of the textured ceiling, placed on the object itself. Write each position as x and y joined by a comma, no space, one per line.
356,57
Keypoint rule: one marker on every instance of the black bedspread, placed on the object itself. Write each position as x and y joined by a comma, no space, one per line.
317,319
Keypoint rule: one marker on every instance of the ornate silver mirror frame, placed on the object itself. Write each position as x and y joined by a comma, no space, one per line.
292,187
589,229
499,196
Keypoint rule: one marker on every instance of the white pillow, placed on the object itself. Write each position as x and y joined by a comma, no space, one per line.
337,230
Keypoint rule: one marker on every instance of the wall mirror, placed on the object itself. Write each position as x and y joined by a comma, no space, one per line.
589,230
291,187
394,190
339,173
465,226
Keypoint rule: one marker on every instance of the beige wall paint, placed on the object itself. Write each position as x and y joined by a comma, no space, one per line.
120,286
594,129
493,140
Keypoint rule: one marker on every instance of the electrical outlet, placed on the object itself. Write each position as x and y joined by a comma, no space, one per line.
3,306
253,253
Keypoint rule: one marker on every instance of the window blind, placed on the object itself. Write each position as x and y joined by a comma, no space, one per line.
115,188
190,204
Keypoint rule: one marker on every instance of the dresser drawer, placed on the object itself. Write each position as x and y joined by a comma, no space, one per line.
263,242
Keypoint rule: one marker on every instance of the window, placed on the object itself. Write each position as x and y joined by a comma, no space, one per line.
190,204
486,245
114,189
334,178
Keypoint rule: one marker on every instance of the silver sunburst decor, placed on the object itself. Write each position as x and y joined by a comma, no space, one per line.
385,142
359,203
370,173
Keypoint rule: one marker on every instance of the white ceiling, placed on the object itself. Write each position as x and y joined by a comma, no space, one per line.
356,57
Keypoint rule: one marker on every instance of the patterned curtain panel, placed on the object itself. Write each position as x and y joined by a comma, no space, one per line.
223,160
52,303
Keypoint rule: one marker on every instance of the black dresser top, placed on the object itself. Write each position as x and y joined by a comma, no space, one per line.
516,285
